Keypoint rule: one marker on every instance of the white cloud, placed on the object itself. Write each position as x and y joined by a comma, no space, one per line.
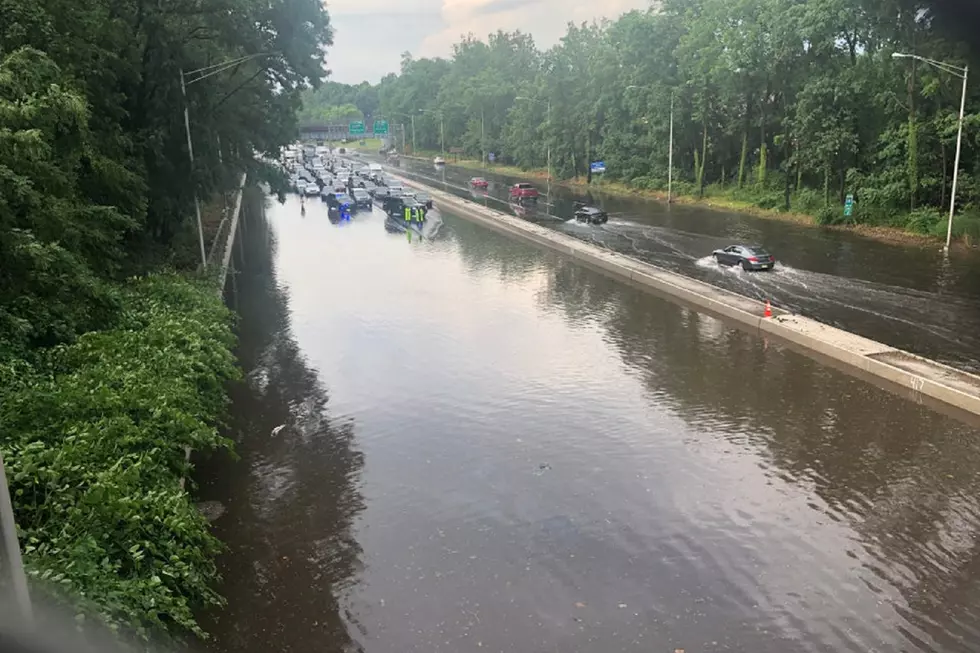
372,34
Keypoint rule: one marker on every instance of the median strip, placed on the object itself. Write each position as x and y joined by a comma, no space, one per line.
917,378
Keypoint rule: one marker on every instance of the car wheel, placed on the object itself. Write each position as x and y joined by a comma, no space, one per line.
745,266
717,260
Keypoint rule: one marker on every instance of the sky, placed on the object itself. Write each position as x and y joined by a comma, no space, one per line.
370,35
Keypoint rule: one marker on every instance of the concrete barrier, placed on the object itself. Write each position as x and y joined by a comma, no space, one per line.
917,378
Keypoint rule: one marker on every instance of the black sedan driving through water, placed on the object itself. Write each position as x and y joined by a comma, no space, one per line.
749,257
590,214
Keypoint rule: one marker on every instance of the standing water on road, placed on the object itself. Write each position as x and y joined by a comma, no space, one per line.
467,444
903,295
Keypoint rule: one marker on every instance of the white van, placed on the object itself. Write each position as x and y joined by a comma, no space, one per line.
374,167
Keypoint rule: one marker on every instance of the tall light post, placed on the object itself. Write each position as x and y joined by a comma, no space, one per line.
204,73
962,73
670,147
442,130
10,549
412,118
529,99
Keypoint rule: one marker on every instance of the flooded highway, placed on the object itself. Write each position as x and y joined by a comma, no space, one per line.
462,443
902,295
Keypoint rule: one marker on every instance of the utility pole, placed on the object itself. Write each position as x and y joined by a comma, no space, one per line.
483,139
414,149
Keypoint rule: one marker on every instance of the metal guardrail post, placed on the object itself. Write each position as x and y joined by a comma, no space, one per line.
11,550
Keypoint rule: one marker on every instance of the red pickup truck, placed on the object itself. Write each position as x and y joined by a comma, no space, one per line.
523,191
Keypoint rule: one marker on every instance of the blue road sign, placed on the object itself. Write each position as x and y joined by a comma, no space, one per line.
598,166
492,157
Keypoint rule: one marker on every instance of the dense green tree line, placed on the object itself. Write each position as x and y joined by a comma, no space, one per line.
94,174
335,103
788,103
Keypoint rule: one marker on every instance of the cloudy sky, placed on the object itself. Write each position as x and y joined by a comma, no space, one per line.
370,35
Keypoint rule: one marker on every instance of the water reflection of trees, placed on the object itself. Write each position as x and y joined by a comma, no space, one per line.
291,499
902,476
482,249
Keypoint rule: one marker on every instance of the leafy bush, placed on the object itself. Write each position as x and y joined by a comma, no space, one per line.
94,438
829,215
771,200
808,200
648,183
923,220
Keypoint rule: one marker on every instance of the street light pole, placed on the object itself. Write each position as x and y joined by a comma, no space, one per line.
204,73
11,550
956,163
190,154
413,136
963,73
670,152
549,149
483,138
670,147
529,99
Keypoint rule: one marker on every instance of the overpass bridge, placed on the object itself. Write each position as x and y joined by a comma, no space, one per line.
337,132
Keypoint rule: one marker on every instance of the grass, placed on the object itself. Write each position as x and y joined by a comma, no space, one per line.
370,145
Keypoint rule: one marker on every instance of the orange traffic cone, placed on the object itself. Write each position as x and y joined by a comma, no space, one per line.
768,311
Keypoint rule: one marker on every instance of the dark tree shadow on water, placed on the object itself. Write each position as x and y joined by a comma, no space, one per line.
286,506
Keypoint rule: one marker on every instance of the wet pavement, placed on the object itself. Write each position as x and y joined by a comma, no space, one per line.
906,296
461,443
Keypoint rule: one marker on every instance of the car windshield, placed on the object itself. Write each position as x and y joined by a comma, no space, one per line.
341,197
360,193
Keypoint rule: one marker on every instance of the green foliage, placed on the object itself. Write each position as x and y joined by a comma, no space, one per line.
334,103
828,215
94,435
766,87
924,220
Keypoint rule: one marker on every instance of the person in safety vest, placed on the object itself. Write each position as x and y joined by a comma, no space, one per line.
420,214
408,215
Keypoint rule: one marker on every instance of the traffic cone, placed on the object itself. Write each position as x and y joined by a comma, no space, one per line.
768,311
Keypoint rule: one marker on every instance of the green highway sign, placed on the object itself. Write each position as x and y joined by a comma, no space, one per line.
849,206
356,127
380,127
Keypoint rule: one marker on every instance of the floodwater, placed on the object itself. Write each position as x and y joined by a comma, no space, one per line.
907,296
461,443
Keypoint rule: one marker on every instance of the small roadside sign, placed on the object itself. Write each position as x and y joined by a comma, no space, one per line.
380,127
492,157
598,166
356,127
849,205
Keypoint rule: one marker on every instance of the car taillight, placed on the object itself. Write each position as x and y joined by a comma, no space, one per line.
753,259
